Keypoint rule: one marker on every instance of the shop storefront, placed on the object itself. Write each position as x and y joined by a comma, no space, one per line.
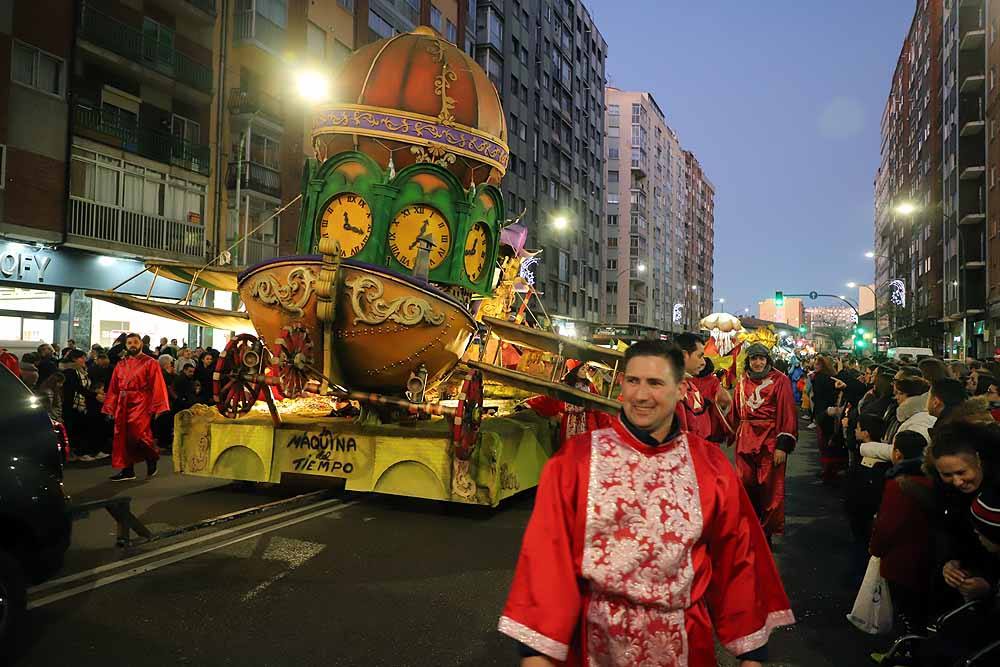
42,297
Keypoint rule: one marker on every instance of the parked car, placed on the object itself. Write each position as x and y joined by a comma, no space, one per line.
35,523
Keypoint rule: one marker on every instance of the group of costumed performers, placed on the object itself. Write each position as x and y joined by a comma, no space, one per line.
643,546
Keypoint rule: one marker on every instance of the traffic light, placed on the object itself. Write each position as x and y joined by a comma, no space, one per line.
802,329
859,330
861,343
779,299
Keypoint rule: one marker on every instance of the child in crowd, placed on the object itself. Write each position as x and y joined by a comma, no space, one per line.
865,491
901,534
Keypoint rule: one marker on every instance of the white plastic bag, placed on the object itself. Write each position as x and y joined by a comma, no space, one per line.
872,612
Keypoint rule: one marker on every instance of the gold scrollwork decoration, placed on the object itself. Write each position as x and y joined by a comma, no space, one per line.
292,296
370,308
434,155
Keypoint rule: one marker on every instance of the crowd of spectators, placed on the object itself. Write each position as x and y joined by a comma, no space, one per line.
915,446
71,385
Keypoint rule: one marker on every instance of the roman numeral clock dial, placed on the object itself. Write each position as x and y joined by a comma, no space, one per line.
413,223
476,250
347,218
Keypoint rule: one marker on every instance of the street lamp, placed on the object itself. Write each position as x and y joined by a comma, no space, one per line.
905,208
641,268
560,222
852,285
312,85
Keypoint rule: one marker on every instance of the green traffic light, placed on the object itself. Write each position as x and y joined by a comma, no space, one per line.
779,299
802,329
861,344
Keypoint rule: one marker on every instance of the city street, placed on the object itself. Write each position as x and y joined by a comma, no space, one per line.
374,580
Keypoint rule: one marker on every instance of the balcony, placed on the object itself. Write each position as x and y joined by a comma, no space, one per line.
252,251
973,84
972,173
972,40
243,101
108,128
157,237
256,177
973,127
972,218
207,6
255,28
130,43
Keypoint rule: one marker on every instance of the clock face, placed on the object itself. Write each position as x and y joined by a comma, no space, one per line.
476,250
347,218
413,223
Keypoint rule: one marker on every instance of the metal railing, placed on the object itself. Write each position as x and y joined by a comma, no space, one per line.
253,101
252,26
109,222
255,177
256,251
156,145
130,42
207,6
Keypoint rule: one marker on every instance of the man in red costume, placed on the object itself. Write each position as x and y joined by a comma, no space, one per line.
642,543
767,430
134,396
702,395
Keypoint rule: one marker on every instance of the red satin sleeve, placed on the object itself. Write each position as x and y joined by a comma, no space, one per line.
543,607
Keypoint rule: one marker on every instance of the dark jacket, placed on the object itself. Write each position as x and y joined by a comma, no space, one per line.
46,367
824,396
204,376
184,390
901,534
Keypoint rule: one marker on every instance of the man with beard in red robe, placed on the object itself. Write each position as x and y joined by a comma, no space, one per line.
702,395
767,430
643,547
134,396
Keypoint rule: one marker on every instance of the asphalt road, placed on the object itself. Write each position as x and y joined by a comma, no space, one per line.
396,582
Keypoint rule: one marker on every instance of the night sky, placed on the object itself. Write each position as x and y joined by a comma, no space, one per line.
781,102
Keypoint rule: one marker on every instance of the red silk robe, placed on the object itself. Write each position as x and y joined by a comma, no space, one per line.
698,411
635,554
135,394
763,410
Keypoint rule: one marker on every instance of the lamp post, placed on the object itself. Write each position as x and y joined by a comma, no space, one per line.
852,285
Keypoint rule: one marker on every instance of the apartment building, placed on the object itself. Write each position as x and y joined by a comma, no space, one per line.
546,59
696,242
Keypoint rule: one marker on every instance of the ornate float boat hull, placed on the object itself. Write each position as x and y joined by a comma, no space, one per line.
385,326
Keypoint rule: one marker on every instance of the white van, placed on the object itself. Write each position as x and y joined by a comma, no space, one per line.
914,353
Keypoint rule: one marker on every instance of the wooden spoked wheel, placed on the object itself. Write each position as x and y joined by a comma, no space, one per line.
238,377
294,353
468,416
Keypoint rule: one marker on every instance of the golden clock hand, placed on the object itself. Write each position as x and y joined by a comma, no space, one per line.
472,251
351,228
423,228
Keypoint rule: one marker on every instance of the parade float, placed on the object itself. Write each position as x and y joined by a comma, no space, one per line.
728,341
404,295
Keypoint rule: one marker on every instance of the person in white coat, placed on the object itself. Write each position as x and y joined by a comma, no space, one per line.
912,398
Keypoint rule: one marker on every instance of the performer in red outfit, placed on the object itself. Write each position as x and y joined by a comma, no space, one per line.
574,419
642,542
767,430
135,394
702,393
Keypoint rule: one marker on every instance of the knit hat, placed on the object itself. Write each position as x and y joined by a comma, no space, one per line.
986,513
759,350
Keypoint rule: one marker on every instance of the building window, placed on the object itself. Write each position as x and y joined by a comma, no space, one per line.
379,25
265,151
436,19
613,220
186,129
612,264
993,177
450,31
489,25
347,4
522,130
612,178
37,69
3,167
315,41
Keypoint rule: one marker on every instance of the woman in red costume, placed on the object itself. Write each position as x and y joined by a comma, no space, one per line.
574,419
643,546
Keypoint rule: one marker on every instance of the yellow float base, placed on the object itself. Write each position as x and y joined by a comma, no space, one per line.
407,460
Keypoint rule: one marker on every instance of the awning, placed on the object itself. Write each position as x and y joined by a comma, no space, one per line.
214,277
216,318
